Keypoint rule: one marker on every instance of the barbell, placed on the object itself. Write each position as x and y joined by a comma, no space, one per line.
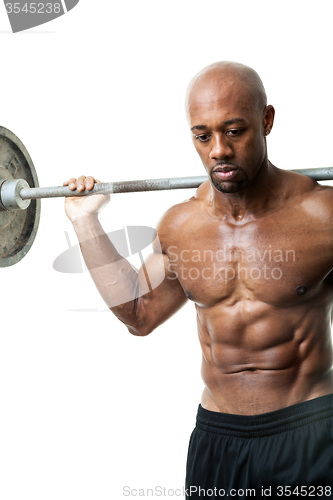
20,194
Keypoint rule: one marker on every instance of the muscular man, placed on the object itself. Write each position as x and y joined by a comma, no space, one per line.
258,243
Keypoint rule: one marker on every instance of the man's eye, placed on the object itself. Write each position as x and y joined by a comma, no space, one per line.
202,137
234,132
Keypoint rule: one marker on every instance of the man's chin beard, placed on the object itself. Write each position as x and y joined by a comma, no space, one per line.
230,187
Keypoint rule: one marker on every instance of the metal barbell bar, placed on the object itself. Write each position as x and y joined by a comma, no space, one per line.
15,193
116,187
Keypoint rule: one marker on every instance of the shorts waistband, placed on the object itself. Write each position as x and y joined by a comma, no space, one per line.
266,424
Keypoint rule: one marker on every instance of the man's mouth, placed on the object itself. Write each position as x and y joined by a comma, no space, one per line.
225,172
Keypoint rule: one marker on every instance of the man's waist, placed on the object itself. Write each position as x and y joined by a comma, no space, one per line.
269,423
262,391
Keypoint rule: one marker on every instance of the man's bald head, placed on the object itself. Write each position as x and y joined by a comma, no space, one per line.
225,74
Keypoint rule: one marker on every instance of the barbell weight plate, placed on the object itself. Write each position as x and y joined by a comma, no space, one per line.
18,228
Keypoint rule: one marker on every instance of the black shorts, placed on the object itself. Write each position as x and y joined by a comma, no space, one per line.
287,453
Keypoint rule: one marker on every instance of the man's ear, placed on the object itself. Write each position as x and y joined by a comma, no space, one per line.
269,114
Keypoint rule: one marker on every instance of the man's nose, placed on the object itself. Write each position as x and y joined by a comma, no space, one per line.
221,148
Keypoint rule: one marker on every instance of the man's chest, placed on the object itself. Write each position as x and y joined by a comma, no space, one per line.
269,261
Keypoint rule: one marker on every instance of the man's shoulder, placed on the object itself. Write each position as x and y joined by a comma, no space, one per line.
322,199
305,187
184,214
316,199
298,182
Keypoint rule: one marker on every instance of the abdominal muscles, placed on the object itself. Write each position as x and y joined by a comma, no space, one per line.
258,359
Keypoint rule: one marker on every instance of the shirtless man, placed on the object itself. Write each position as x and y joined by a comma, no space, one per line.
253,249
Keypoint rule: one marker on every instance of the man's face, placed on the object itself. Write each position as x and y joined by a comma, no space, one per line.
228,133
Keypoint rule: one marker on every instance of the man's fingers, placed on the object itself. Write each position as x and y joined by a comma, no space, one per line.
71,183
90,181
81,183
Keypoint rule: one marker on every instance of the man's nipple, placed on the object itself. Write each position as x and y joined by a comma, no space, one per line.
301,290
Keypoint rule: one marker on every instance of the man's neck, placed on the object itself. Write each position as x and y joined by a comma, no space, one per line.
249,203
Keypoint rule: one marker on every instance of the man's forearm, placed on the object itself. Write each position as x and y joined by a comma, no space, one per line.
143,299
114,277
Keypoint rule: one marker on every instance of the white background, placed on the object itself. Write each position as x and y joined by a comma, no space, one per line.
86,408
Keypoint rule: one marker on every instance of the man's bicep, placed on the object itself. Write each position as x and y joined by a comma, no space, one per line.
159,294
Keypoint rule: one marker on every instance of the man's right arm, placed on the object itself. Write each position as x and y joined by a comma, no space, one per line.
131,295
